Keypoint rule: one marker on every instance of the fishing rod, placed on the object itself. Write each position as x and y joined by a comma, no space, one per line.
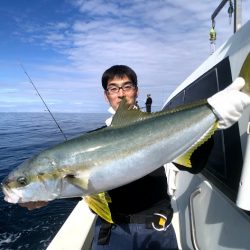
42,100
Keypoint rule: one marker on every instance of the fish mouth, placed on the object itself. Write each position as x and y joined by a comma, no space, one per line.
11,196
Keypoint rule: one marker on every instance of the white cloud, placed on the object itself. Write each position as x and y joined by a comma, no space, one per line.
164,41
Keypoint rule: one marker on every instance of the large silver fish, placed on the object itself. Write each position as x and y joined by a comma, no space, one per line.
134,145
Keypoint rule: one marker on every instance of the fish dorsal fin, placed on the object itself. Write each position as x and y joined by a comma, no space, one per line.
127,114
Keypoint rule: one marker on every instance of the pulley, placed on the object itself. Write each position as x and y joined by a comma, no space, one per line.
212,37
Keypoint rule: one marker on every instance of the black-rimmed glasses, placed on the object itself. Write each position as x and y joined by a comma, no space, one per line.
126,87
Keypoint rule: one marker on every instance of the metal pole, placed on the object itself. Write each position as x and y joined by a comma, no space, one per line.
218,9
237,14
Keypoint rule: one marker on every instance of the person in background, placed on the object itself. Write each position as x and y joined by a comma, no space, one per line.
141,210
137,105
148,103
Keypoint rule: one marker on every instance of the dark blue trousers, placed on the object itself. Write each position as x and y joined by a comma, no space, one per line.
136,237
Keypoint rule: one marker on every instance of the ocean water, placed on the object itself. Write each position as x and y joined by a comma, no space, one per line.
21,136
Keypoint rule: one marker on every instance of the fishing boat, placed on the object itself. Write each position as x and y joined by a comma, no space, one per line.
212,207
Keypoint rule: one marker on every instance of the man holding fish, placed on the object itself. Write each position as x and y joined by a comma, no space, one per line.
141,210
122,180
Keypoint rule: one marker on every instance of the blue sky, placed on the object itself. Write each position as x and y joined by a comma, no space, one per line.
66,45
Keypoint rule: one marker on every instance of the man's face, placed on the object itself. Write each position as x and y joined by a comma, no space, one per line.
114,97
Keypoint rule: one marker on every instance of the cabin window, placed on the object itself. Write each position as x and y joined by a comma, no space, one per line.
224,166
176,101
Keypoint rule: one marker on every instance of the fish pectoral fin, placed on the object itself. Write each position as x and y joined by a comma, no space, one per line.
81,181
99,204
185,159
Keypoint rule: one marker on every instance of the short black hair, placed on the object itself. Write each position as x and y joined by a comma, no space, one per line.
119,71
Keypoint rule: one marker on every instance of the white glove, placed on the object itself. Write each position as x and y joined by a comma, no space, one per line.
229,104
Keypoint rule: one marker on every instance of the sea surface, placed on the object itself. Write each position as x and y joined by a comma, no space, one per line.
21,136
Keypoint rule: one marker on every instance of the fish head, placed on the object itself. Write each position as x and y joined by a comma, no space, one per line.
36,179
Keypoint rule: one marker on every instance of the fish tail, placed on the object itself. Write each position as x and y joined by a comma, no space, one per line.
245,73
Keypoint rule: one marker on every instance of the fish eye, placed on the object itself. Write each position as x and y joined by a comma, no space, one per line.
22,180
71,176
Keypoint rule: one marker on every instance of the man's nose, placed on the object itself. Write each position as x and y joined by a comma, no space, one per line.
121,92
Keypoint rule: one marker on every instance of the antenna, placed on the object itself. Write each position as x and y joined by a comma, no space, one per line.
42,100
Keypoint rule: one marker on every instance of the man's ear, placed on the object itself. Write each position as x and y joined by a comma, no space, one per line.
105,96
137,92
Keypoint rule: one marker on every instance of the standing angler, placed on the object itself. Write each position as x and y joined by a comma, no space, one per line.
148,103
